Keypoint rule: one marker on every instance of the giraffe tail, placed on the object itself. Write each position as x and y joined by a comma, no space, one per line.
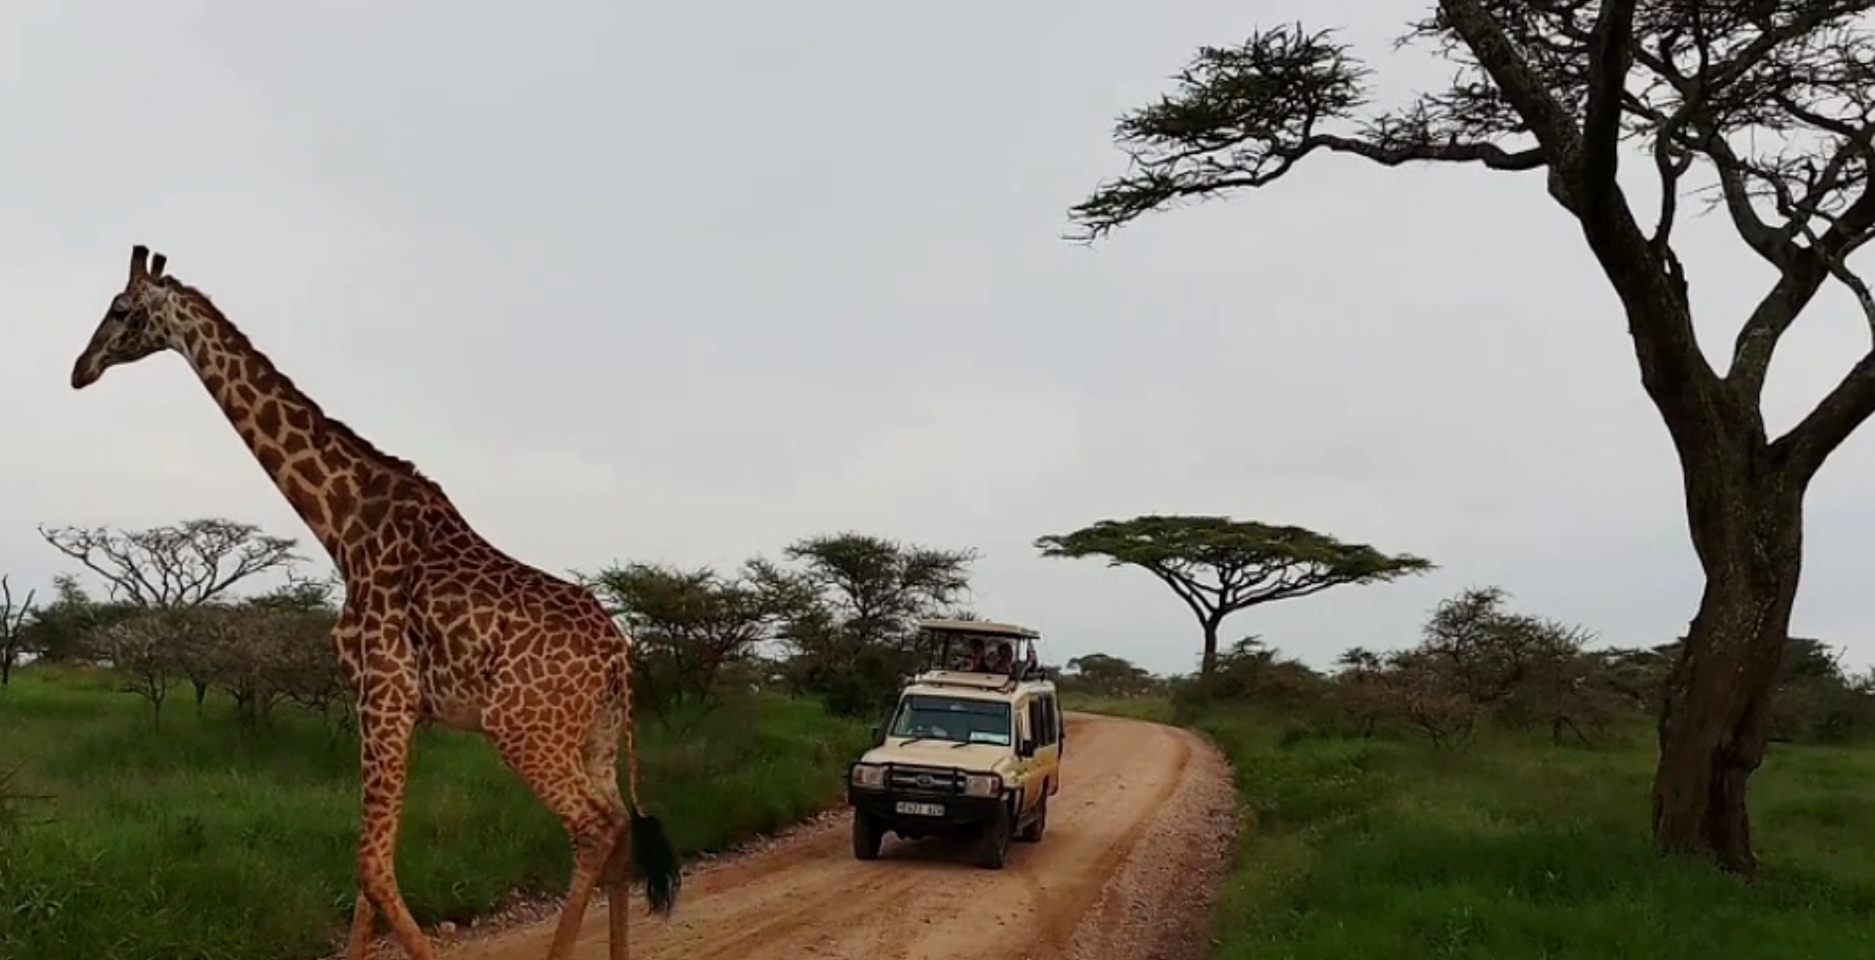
655,862
653,858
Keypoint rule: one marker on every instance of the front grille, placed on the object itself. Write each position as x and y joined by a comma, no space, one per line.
924,779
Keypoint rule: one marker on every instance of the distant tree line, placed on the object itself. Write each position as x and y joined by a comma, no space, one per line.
1478,663
832,618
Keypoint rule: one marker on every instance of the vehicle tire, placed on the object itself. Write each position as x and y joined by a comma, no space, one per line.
868,833
1033,832
993,844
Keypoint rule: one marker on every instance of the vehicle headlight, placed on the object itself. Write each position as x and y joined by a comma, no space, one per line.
868,776
983,785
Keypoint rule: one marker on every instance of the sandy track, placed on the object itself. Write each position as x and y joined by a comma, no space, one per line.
1136,840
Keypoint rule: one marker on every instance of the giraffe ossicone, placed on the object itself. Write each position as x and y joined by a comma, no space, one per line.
438,624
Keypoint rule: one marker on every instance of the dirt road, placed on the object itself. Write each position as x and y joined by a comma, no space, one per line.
1136,839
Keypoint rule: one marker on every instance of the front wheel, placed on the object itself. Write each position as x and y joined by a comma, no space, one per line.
993,845
868,833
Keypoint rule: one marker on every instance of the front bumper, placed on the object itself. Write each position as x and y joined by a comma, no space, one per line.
957,811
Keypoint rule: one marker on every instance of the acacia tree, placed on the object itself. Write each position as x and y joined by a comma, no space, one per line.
12,628
190,564
183,565
849,604
1104,675
1518,668
1219,566
690,625
1771,103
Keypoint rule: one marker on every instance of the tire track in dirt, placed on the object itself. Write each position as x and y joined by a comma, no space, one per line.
1136,841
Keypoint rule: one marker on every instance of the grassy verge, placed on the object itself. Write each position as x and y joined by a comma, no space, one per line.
201,840
1515,848
1155,709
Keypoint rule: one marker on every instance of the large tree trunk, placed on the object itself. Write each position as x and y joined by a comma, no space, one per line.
1208,665
1746,516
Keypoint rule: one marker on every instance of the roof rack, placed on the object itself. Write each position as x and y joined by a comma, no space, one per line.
983,627
961,678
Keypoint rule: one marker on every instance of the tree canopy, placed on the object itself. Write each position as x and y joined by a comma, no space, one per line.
1219,566
1764,107
177,565
689,626
1104,675
851,600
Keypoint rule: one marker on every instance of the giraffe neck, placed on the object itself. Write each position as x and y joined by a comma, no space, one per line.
314,465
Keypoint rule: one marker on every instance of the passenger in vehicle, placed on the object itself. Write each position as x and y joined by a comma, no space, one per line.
1002,661
1029,664
974,661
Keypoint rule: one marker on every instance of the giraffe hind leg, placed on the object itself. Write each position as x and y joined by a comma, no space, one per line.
553,769
643,845
601,764
602,772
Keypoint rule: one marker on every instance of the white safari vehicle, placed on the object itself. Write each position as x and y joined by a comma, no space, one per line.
971,748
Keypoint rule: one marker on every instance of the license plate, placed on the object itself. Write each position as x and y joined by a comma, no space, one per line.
921,809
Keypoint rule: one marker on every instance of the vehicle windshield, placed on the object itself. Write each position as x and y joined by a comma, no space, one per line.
952,718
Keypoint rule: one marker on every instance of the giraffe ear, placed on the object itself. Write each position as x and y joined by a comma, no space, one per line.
157,263
139,261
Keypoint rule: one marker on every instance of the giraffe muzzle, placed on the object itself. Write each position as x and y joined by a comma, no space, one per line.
85,372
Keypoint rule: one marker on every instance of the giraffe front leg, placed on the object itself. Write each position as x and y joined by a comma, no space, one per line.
368,636
364,919
386,731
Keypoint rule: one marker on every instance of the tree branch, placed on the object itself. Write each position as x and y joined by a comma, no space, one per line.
1802,270
1610,56
1805,446
1244,117
1555,130
1125,199
1187,589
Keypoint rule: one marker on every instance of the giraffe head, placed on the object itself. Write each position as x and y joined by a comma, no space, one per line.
141,320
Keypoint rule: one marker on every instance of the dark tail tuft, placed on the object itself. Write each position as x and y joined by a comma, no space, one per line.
655,862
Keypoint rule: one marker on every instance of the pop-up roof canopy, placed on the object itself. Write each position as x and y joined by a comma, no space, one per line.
985,628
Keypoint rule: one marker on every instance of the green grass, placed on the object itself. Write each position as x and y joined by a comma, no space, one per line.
1514,848
1155,709
201,841
1517,848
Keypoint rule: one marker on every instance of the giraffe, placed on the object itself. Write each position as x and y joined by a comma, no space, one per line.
437,625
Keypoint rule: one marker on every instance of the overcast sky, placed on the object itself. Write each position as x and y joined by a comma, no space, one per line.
684,282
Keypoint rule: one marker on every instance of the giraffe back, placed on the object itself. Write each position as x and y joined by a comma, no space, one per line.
486,627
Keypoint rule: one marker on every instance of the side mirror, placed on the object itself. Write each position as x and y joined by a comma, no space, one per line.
1025,749
878,735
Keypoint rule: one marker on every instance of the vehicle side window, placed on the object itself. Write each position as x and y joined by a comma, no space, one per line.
1038,721
1051,721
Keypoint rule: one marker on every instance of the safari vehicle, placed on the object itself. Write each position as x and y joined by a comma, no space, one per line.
973,748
